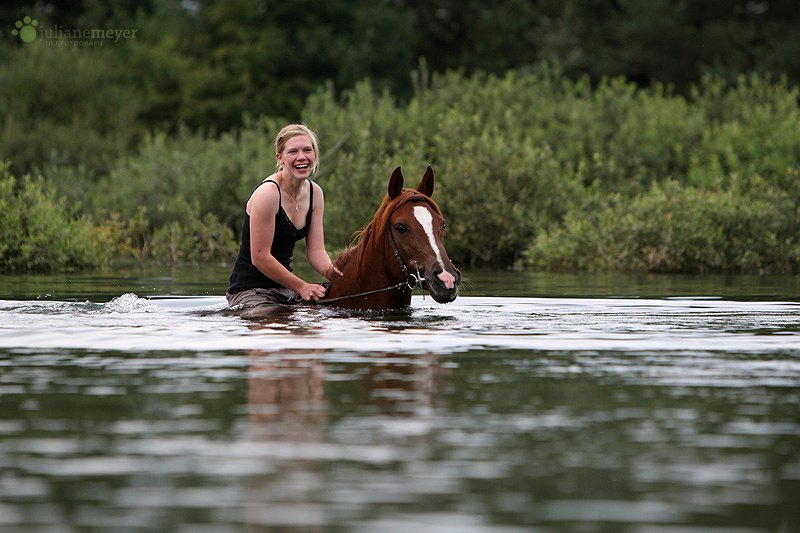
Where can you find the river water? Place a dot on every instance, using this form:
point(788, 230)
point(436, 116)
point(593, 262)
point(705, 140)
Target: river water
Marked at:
point(131, 401)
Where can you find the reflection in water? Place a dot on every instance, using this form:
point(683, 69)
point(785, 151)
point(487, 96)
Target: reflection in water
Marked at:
point(286, 412)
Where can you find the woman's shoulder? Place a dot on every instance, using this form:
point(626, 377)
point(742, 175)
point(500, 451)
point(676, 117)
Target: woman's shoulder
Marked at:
point(269, 187)
point(317, 190)
point(266, 195)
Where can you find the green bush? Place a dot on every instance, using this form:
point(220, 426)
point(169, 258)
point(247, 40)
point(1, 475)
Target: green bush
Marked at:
point(750, 128)
point(190, 237)
point(185, 235)
point(40, 232)
point(673, 228)
point(216, 173)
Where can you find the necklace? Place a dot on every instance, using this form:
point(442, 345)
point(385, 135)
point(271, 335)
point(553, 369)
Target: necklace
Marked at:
point(294, 200)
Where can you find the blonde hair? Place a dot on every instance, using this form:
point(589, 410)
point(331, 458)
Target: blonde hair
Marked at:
point(295, 130)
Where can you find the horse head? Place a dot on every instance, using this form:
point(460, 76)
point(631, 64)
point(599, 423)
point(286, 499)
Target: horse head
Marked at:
point(400, 248)
point(415, 230)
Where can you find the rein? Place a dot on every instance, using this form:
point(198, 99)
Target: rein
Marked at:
point(412, 281)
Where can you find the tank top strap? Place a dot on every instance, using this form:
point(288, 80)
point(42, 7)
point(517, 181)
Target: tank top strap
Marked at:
point(268, 180)
point(310, 201)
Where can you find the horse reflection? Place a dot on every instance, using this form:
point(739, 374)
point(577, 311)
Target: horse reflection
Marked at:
point(291, 412)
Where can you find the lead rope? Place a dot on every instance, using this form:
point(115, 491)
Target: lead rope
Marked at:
point(411, 282)
point(376, 291)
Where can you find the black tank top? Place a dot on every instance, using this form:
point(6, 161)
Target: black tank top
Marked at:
point(245, 275)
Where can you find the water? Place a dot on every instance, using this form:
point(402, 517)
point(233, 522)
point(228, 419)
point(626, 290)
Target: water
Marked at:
point(130, 401)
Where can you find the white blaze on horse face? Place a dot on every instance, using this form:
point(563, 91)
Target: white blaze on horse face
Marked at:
point(425, 220)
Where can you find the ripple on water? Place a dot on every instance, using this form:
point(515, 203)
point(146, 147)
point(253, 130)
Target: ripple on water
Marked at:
point(201, 324)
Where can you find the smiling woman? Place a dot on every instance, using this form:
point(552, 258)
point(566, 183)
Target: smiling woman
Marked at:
point(262, 274)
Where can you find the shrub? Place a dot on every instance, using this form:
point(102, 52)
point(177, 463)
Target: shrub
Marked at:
point(40, 232)
point(750, 128)
point(215, 173)
point(184, 236)
point(190, 237)
point(674, 228)
point(497, 185)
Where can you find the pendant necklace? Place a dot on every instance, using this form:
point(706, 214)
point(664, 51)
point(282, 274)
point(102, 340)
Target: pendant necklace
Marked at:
point(294, 200)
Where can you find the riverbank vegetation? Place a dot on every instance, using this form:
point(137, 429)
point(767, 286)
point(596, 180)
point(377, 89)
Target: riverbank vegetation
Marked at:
point(532, 171)
point(574, 157)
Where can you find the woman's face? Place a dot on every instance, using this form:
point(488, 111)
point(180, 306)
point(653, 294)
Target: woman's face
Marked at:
point(298, 157)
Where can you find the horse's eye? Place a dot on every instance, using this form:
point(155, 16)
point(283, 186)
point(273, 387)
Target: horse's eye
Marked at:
point(400, 228)
point(444, 225)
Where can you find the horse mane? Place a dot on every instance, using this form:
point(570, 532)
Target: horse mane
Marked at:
point(369, 238)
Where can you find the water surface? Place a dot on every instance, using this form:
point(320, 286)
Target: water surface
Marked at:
point(131, 401)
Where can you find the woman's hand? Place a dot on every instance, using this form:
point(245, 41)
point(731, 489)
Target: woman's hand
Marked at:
point(332, 272)
point(312, 291)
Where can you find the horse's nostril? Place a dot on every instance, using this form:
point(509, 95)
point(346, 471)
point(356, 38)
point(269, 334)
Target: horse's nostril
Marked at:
point(447, 278)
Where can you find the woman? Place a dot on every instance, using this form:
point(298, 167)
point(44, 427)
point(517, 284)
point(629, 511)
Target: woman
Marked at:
point(284, 208)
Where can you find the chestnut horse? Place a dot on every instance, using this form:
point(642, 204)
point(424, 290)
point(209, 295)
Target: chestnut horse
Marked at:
point(400, 249)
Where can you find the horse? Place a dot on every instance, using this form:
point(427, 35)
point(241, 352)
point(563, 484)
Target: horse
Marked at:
point(399, 249)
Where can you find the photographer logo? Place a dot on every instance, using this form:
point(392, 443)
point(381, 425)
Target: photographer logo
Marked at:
point(25, 29)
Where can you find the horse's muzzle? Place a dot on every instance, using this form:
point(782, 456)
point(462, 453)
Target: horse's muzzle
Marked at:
point(443, 285)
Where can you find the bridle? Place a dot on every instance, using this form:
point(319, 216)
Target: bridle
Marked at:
point(411, 282)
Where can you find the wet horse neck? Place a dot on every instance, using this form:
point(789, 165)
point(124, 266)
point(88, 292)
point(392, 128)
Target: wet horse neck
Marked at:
point(365, 273)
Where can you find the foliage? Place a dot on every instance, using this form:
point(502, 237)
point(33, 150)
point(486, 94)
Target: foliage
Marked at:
point(40, 232)
point(552, 126)
point(65, 106)
point(531, 169)
point(518, 155)
point(673, 228)
point(497, 185)
point(183, 234)
point(190, 237)
point(215, 173)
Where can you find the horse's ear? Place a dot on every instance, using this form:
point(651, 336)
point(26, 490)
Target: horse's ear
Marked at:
point(395, 183)
point(426, 185)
